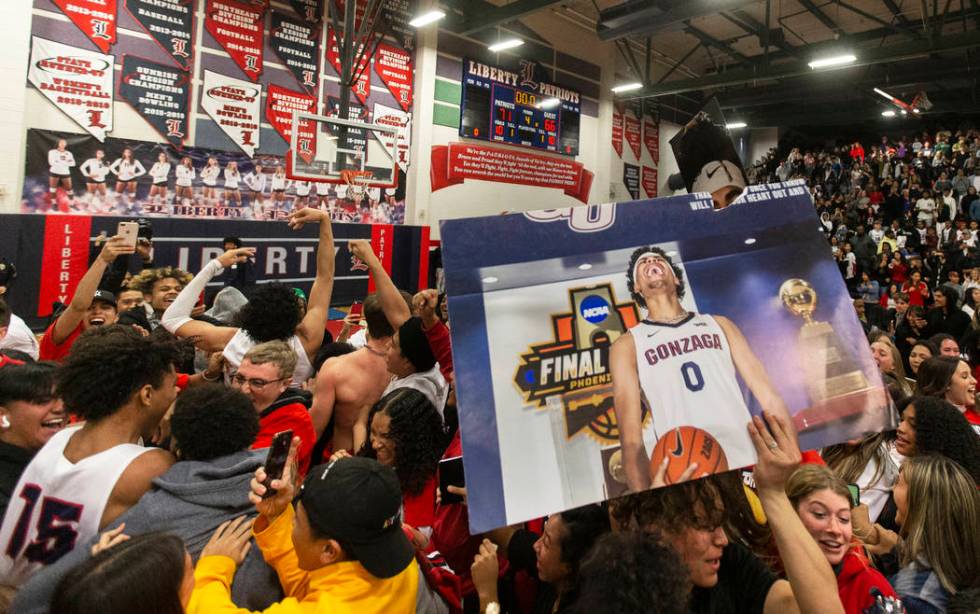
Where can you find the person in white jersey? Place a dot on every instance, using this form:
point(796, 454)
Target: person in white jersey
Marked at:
point(323, 196)
point(232, 178)
point(684, 364)
point(302, 194)
point(127, 170)
point(209, 177)
point(60, 161)
point(160, 173)
point(120, 384)
point(95, 171)
point(185, 181)
point(279, 185)
point(272, 312)
point(256, 181)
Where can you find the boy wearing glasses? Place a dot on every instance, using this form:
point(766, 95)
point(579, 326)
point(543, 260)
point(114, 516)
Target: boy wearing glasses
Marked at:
point(264, 377)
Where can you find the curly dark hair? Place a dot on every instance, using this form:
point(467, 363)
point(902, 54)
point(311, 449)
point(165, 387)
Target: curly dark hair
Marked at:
point(941, 429)
point(632, 265)
point(672, 509)
point(210, 421)
point(108, 365)
point(145, 280)
point(935, 374)
point(583, 526)
point(631, 573)
point(417, 434)
point(271, 313)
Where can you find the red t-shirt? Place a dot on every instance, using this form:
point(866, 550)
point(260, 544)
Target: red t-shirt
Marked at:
point(855, 581)
point(420, 509)
point(49, 350)
point(916, 293)
point(293, 416)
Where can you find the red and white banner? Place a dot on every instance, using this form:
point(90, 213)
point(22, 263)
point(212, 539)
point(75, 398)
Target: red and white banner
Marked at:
point(396, 118)
point(64, 259)
point(239, 29)
point(649, 181)
point(96, 18)
point(77, 81)
point(236, 107)
point(382, 244)
point(359, 8)
point(631, 131)
point(281, 104)
point(394, 66)
point(362, 88)
point(456, 162)
point(617, 133)
point(651, 137)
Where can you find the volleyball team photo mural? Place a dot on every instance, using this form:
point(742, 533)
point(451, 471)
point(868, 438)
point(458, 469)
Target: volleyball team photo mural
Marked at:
point(614, 348)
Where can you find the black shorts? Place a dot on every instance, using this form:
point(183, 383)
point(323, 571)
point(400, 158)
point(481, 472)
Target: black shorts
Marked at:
point(95, 181)
point(279, 191)
point(159, 183)
point(231, 189)
point(57, 176)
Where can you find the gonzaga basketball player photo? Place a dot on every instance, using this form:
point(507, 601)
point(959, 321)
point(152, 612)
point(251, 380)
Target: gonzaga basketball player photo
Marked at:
point(683, 364)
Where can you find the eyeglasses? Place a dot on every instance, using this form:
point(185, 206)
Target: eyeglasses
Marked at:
point(253, 383)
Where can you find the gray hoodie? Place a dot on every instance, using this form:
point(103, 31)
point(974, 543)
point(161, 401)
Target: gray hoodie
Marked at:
point(190, 501)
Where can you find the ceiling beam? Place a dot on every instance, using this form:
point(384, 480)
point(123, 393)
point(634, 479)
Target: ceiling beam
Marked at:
point(648, 18)
point(710, 41)
point(898, 28)
point(489, 16)
point(897, 12)
point(821, 16)
point(869, 57)
point(749, 24)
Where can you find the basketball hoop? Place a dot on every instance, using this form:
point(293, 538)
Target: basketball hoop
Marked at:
point(357, 183)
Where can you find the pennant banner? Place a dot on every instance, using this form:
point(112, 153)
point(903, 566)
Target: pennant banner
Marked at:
point(159, 93)
point(390, 116)
point(356, 137)
point(96, 18)
point(359, 8)
point(395, 15)
point(310, 10)
point(631, 131)
point(649, 181)
point(631, 178)
point(77, 81)
point(617, 133)
point(64, 259)
point(394, 66)
point(238, 28)
point(298, 46)
point(361, 89)
point(170, 23)
point(281, 104)
point(651, 137)
point(235, 105)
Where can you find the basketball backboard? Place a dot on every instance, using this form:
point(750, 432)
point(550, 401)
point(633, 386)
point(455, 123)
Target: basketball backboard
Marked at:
point(332, 150)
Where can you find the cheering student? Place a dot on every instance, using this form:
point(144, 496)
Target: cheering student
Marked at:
point(950, 379)
point(185, 181)
point(127, 170)
point(256, 181)
point(279, 186)
point(60, 161)
point(95, 170)
point(159, 172)
point(232, 177)
point(209, 176)
point(647, 362)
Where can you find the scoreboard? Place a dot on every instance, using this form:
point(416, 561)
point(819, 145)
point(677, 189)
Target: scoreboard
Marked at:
point(499, 106)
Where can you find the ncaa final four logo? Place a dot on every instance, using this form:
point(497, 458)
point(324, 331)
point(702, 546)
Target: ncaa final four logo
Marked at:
point(575, 365)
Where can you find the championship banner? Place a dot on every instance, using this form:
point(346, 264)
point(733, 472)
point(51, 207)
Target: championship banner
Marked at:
point(394, 66)
point(96, 18)
point(456, 162)
point(170, 23)
point(64, 260)
point(362, 88)
point(649, 181)
point(651, 138)
point(359, 8)
point(239, 29)
point(310, 10)
point(356, 138)
point(631, 179)
point(719, 314)
point(281, 104)
point(395, 15)
point(390, 116)
point(235, 105)
point(298, 46)
point(617, 133)
point(631, 131)
point(159, 93)
point(77, 81)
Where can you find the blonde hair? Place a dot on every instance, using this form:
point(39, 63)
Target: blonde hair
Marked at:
point(808, 479)
point(276, 352)
point(898, 368)
point(943, 504)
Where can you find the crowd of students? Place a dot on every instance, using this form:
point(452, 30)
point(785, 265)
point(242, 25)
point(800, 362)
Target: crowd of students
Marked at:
point(133, 438)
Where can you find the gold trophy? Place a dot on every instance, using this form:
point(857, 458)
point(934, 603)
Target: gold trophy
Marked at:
point(829, 370)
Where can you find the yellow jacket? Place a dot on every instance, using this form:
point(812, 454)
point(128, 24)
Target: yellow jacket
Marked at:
point(337, 588)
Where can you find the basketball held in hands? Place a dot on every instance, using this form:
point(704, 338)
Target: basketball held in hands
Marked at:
point(685, 445)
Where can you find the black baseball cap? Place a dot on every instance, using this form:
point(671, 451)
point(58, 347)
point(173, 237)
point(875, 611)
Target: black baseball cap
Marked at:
point(357, 501)
point(105, 296)
point(415, 345)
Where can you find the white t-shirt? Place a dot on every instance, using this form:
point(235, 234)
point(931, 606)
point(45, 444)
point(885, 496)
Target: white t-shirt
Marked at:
point(255, 181)
point(279, 183)
point(60, 162)
point(160, 171)
point(322, 189)
point(127, 170)
point(210, 174)
point(302, 188)
point(185, 176)
point(95, 169)
point(232, 178)
point(20, 337)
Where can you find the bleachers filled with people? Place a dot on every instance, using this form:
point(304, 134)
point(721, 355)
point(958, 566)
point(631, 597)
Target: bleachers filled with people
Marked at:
point(159, 419)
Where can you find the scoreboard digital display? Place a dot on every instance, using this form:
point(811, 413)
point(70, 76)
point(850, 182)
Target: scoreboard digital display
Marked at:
point(503, 106)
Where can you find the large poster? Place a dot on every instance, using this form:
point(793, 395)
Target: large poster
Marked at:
point(239, 29)
point(159, 93)
point(77, 81)
point(707, 317)
point(298, 46)
point(194, 183)
point(170, 23)
point(236, 106)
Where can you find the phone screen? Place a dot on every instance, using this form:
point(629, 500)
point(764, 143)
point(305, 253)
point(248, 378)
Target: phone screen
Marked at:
point(451, 474)
point(855, 492)
point(275, 462)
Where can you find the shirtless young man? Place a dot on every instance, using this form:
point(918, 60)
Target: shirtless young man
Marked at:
point(348, 386)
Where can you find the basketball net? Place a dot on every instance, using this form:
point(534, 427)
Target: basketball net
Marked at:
point(357, 183)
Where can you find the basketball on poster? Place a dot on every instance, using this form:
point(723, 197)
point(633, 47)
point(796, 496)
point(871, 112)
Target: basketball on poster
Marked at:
point(646, 333)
